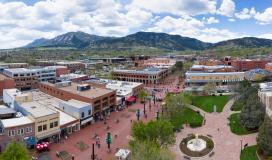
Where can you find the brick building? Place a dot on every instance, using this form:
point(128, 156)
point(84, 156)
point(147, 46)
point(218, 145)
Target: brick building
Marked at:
point(101, 99)
point(146, 76)
point(72, 65)
point(6, 83)
point(24, 78)
point(248, 64)
point(15, 129)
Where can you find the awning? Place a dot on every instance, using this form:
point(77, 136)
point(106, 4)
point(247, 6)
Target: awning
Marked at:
point(48, 134)
point(131, 99)
point(86, 120)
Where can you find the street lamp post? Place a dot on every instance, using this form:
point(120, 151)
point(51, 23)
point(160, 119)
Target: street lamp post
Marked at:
point(241, 145)
point(158, 115)
point(93, 155)
point(144, 106)
point(162, 109)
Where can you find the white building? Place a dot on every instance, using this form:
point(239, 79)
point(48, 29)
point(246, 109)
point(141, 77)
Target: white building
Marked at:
point(78, 109)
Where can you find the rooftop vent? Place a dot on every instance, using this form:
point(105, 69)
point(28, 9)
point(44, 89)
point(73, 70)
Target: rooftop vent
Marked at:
point(83, 87)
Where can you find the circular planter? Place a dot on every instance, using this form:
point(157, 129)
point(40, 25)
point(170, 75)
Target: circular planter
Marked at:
point(184, 149)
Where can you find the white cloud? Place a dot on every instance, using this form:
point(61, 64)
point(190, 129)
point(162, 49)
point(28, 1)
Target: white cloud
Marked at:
point(231, 20)
point(265, 17)
point(176, 7)
point(212, 20)
point(267, 36)
point(246, 13)
point(191, 27)
point(52, 17)
point(227, 8)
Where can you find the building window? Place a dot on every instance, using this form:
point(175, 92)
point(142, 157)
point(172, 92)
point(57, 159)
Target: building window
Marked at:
point(56, 124)
point(44, 127)
point(89, 112)
point(82, 115)
point(39, 128)
point(11, 133)
point(20, 131)
point(28, 129)
point(51, 125)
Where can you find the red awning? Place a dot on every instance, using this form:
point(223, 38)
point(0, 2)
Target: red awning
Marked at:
point(131, 99)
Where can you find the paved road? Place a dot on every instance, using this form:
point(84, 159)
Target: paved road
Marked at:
point(227, 144)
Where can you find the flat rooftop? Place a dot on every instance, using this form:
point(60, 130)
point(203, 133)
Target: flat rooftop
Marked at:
point(92, 93)
point(19, 70)
point(189, 73)
point(6, 110)
point(38, 110)
point(76, 103)
point(3, 77)
point(52, 103)
point(69, 62)
point(116, 83)
point(13, 122)
point(144, 71)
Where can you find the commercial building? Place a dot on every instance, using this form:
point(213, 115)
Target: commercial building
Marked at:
point(146, 76)
point(42, 109)
point(73, 77)
point(156, 62)
point(6, 112)
point(46, 73)
point(5, 83)
point(265, 94)
point(214, 77)
point(19, 128)
point(72, 65)
point(100, 99)
point(123, 88)
point(24, 78)
point(28, 78)
point(214, 68)
point(210, 62)
point(13, 65)
point(248, 64)
point(60, 70)
point(79, 110)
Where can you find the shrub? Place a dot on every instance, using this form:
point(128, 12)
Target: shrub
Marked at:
point(209, 143)
point(195, 124)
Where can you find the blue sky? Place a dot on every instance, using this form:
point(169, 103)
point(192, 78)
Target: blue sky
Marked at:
point(22, 21)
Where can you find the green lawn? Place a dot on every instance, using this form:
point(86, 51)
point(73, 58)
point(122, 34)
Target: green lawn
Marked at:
point(249, 153)
point(236, 127)
point(192, 117)
point(206, 103)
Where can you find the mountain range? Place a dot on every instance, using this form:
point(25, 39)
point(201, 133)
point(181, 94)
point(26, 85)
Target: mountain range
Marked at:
point(81, 40)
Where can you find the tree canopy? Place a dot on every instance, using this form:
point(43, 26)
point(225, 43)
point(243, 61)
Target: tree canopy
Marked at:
point(15, 151)
point(264, 139)
point(253, 113)
point(158, 132)
point(149, 151)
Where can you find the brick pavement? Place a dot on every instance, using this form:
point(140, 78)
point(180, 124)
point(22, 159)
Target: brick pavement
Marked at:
point(121, 129)
point(227, 144)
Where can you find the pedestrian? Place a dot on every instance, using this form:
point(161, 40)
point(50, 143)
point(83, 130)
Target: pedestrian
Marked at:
point(98, 143)
point(218, 129)
point(96, 140)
